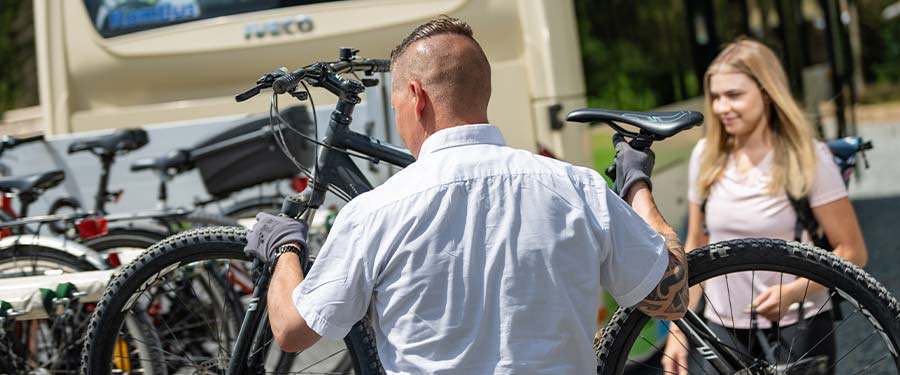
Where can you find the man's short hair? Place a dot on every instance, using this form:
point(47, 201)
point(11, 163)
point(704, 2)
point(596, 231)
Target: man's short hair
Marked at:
point(458, 77)
point(443, 24)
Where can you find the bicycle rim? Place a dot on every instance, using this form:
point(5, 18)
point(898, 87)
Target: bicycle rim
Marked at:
point(866, 339)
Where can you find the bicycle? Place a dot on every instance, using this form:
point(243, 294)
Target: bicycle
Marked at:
point(250, 349)
point(872, 323)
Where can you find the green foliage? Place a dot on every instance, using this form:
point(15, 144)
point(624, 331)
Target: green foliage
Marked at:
point(635, 67)
point(18, 81)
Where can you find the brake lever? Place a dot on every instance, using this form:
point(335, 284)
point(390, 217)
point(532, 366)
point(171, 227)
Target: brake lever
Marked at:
point(264, 82)
point(247, 94)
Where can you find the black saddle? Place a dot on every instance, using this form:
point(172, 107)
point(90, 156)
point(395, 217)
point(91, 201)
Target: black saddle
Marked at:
point(121, 141)
point(173, 162)
point(31, 184)
point(660, 125)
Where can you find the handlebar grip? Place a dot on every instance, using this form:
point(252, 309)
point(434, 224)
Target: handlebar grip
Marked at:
point(381, 65)
point(286, 83)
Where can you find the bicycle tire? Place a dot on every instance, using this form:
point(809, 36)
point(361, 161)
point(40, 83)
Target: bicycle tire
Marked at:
point(203, 218)
point(157, 263)
point(16, 257)
point(250, 207)
point(124, 238)
point(868, 295)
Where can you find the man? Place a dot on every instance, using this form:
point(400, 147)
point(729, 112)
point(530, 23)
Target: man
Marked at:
point(479, 258)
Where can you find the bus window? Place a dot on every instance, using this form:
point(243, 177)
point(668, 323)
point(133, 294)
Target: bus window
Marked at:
point(118, 17)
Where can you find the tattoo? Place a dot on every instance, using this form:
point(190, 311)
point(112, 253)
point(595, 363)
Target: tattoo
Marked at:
point(670, 299)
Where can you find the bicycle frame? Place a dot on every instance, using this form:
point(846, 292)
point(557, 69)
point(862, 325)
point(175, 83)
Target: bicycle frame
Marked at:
point(334, 170)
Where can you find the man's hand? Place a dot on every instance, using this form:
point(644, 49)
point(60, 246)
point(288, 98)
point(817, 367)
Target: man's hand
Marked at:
point(632, 165)
point(270, 232)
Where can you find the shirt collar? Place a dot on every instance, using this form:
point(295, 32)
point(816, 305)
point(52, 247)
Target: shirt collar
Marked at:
point(463, 135)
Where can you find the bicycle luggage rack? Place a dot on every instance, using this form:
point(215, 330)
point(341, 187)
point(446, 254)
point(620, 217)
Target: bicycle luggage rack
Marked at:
point(37, 297)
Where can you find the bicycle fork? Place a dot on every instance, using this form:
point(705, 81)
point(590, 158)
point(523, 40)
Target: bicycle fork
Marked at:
point(251, 330)
point(704, 340)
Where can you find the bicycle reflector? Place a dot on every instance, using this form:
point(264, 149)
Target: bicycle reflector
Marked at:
point(90, 228)
point(299, 183)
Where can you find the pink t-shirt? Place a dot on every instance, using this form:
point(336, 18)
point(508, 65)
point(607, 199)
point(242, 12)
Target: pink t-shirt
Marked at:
point(739, 206)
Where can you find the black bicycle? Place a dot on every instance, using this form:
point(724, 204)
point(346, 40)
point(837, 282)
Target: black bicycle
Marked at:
point(124, 337)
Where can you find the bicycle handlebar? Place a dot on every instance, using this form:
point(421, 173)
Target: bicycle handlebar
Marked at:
point(324, 74)
point(289, 81)
point(8, 142)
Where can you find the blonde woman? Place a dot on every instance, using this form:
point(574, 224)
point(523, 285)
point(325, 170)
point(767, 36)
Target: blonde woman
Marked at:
point(759, 150)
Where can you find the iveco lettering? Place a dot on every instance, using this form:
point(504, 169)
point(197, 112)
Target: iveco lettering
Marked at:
point(299, 24)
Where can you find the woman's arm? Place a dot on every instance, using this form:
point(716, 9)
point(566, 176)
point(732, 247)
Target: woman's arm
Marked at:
point(838, 219)
point(696, 237)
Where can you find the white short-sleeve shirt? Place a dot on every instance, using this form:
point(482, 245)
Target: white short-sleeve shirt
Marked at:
point(480, 258)
point(739, 206)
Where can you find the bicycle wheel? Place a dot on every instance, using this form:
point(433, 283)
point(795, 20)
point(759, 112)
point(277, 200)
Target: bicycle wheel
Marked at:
point(866, 337)
point(35, 260)
point(46, 345)
point(190, 290)
point(126, 243)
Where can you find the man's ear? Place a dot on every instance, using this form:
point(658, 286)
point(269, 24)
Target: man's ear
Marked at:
point(419, 96)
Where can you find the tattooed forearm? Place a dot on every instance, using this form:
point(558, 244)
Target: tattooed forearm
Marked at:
point(669, 300)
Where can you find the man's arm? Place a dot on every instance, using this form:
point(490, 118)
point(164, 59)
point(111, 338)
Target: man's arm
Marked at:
point(669, 300)
point(288, 326)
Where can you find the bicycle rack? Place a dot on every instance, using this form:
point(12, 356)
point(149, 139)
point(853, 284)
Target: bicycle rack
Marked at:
point(56, 302)
point(43, 297)
point(7, 316)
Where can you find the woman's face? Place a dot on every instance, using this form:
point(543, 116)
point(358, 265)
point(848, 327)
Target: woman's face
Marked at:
point(738, 103)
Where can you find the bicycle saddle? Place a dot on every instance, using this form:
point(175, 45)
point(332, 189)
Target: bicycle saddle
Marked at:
point(120, 141)
point(31, 183)
point(660, 124)
point(173, 162)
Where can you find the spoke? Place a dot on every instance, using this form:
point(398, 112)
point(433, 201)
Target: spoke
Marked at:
point(833, 328)
point(218, 333)
point(802, 302)
point(730, 308)
point(870, 365)
point(685, 346)
point(164, 351)
point(178, 342)
point(778, 327)
point(652, 367)
point(752, 314)
point(851, 350)
point(733, 331)
point(323, 359)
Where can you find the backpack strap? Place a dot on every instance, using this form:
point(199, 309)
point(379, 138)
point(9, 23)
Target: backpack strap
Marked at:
point(703, 211)
point(807, 221)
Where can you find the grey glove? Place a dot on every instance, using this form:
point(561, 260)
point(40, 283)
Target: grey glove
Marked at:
point(632, 165)
point(270, 232)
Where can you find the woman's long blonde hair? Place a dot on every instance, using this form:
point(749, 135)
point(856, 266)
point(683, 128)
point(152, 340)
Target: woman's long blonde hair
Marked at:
point(794, 162)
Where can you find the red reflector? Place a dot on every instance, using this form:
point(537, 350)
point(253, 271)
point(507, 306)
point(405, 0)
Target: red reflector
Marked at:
point(6, 232)
point(90, 228)
point(7, 206)
point(113, 260)
point(299, 183)
point(543, 151)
